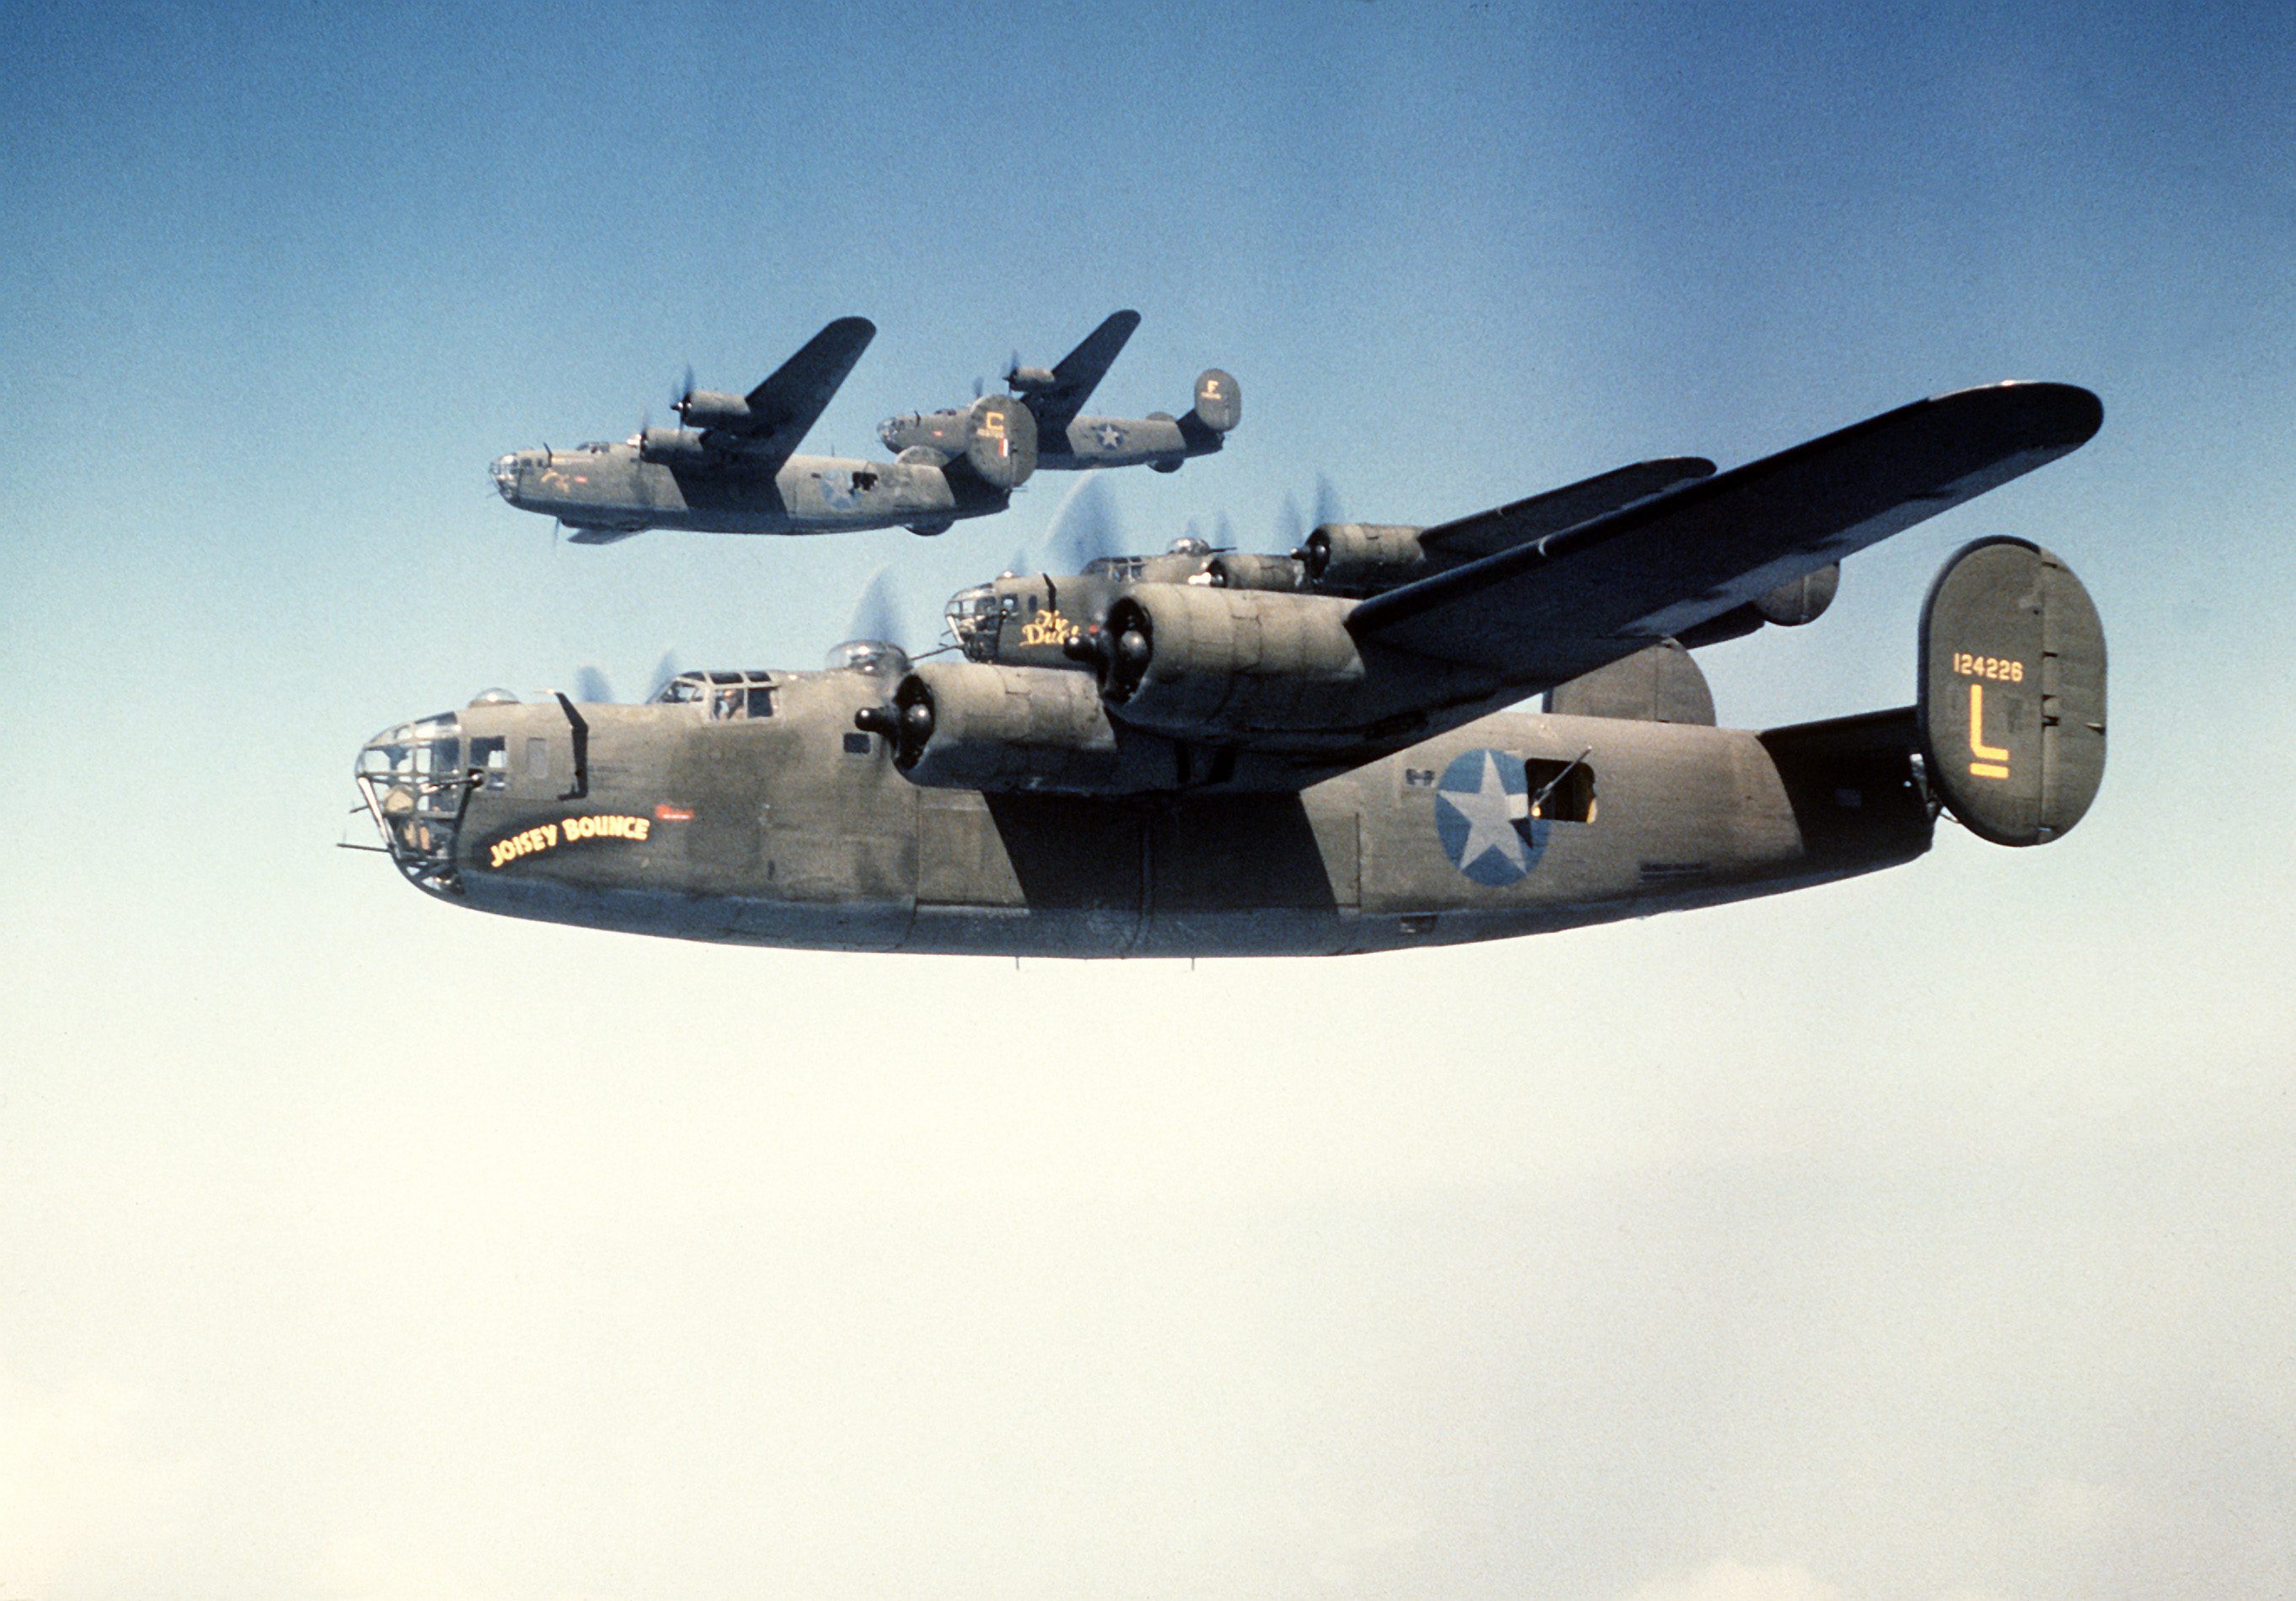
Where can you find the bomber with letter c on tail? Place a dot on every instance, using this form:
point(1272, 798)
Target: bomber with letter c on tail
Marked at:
point(1208, 753)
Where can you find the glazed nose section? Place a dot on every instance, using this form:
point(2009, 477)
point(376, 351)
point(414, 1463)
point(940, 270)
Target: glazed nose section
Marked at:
point(889, 433)
point(506, 474)
point(416, 784)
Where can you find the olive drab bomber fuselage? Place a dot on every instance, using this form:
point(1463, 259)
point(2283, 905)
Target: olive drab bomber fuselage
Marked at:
point(794, 828)
point(1209, 753)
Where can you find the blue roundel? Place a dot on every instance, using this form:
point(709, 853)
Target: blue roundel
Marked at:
point(1483, 816)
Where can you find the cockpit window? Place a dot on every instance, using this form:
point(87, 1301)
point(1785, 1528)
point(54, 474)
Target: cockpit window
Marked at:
point(492, 754)
point(727, 695)
point(729, 702)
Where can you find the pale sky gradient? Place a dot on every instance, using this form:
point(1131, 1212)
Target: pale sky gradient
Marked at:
point(1925, 1238)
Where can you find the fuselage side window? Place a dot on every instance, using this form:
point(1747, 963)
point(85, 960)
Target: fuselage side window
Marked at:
point(1561, 792)
point(491, 754)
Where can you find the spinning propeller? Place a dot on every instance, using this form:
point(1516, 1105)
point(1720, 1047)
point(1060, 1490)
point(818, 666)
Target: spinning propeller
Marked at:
point(877, 612)
point(591, 688)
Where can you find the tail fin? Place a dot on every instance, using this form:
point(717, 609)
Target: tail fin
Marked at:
point(1000, 444)
point(2012, 708)
point(1219, 402)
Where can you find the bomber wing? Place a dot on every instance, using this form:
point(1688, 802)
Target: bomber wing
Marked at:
point(1503, 528)
point(1567, 601)
point(785, 407)
point(1078, 373)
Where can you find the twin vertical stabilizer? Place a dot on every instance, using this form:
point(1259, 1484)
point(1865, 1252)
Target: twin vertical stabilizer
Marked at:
point(2011, 708)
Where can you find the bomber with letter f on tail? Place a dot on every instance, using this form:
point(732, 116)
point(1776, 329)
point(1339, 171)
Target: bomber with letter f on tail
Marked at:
point(1313, 753)
point(732, 467)
point(1067, 441)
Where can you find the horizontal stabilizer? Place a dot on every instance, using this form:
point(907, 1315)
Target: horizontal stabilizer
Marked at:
point(1849, 782)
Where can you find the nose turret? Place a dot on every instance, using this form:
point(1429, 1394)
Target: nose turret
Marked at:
point(416, 781)
point(505, 475)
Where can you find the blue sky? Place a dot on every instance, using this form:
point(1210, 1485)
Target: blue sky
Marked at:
point(1923, 1236)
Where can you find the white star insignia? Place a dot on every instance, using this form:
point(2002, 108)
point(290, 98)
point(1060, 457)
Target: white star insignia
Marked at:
point(1491, 815)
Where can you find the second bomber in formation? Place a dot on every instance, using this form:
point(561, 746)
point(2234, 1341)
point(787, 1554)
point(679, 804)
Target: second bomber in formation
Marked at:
point(732, 466)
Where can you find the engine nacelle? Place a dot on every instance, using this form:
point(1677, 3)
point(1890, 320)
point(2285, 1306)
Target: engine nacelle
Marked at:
point(1239, 569)
point(1790, 606)
point(1193, 660)
point(1357, 558)
point(672, 447)
point(1000, 441)
point(1219, 402)
point(707, 408)
point(1802, 600)
point(977, 726)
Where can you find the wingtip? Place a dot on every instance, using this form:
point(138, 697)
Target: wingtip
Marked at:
point(2064, 416)
point(2083, 409)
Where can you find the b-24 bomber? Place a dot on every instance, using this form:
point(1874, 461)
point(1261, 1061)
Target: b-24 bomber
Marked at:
point(1319, 751)
point(1067, 440)
point(732, 467)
